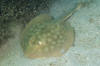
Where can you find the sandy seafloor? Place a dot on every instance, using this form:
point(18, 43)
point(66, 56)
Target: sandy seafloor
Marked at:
point(86, 51)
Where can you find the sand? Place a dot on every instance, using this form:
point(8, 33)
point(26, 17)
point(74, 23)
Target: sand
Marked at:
point(86, 49)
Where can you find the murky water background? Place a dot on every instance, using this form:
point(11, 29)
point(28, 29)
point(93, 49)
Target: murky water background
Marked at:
point(86, 51)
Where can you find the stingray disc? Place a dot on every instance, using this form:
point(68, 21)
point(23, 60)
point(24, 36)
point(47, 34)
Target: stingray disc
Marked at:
point(44, 37)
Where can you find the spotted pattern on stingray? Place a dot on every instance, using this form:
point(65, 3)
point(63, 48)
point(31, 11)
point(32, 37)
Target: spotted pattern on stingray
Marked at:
point(46, 37)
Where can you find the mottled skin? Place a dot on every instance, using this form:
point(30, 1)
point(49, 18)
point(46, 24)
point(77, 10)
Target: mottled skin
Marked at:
point(46, 37)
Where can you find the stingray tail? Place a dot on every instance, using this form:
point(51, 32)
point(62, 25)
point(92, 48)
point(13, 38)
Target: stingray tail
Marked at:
point(70, 14)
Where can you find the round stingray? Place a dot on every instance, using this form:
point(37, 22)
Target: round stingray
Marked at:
point(45, 37)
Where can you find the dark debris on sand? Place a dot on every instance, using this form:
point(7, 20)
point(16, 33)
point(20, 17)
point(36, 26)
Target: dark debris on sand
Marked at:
point(19, 12)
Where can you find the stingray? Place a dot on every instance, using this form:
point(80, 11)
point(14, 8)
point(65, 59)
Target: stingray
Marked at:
point(46, 37)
